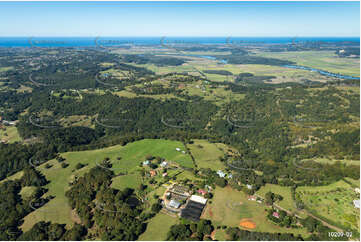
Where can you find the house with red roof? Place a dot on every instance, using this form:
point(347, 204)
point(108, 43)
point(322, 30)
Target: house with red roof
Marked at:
point(276, 215)
point(201, 191)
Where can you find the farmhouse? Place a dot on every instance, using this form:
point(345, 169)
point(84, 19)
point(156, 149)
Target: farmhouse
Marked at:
point(276, 215)
point(146, 163)
point(153, 173)
point(164, 164)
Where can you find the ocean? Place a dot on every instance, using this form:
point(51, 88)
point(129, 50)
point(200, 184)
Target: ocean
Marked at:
point(123, 41)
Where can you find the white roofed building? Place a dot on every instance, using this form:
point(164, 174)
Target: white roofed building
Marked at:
point(198, 199)
point(174, 204)
point(356, 203)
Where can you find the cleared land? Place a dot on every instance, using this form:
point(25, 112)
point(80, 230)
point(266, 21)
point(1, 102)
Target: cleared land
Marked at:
point(332, 161)
point(6, 68)
point(10, 134)
point(206, 154)
point(58, 210)
point(131, 181)
point(283, 74)
point(324, 60)
point(158, 227)
point(333, 202)
point(230, 206)
point(27, 192)
point(285, 192)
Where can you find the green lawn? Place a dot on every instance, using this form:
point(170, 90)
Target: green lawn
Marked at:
point(158, 227)
point(206, 154)
point(285, 192)
point(230, 206)
point(58, 210)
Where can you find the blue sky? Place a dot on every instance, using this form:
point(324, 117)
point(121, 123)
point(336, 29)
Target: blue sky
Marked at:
point(261, 19)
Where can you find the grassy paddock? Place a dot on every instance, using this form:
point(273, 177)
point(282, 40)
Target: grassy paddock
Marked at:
point(230, 206)
point(10, 134)
point(206, 154)
point(333, 202)
point(324, 60)
point(58, 210)
point(158, 227)
point(285, 192)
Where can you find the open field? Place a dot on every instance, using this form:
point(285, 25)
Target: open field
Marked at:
point(230, 206)
point(165, 69)
point(324, 60)
point(58, 210)
point(10, 134)
point(217, 95)
point(283, 74)
point(116, 73)
point(206, 154)
point(6, 68)
point(158, 228)
point(131, 181)
point(221, 235)
point(328, 161)
point(77, 120)
point(27, 192)
point(285, 192)
point(17, 175)
point(333, 202)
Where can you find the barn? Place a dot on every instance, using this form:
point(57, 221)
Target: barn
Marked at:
point(194, 208)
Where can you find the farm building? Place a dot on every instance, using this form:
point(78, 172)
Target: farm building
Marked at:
point(174, 204)
point(198, 199)
point(164, 164)
point(209, 188)
point(177, 149)
point(145, 163)
point(194, 208)
point(221, 173)
point(356, 203)
point(179, 190)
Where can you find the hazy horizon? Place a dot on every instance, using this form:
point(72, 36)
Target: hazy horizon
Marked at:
point(180, 19)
